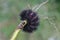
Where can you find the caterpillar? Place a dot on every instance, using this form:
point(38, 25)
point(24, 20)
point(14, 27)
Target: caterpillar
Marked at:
point(32, 20)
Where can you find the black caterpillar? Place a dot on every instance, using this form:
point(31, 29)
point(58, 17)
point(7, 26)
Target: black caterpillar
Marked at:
point(32, 20)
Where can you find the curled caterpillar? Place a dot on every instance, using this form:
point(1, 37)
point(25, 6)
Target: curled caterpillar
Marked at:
point(32, 20)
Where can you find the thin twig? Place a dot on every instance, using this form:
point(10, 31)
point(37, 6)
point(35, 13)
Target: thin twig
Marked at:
point(54, 25)
point(34, 7)
point(40, 5)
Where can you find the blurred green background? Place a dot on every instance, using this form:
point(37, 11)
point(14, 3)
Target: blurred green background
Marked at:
point(49, 14)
